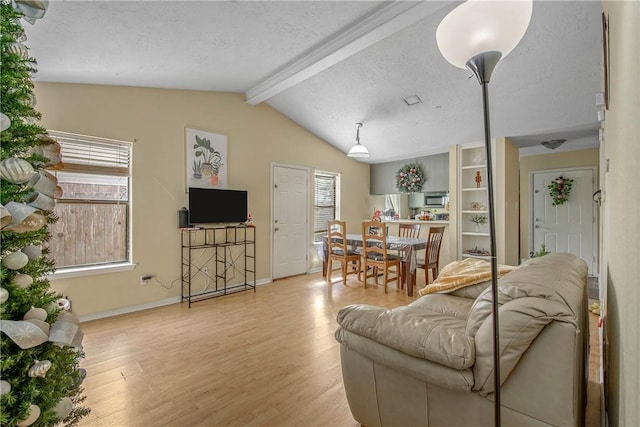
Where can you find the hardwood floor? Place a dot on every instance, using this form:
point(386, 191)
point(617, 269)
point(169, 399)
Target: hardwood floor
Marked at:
point(250, 359)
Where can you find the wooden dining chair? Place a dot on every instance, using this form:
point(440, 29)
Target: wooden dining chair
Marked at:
point(338, 251)
point(432, 254)
point(409, 230)
point(375, 255)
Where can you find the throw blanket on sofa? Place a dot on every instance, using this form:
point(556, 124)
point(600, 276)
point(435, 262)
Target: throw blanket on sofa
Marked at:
point(459, 274)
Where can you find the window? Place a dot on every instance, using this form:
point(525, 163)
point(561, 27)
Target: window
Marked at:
point(93, 229)
point(325, 204)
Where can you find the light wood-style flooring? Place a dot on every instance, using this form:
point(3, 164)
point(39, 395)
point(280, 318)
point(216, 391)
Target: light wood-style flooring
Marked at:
point(267, 358)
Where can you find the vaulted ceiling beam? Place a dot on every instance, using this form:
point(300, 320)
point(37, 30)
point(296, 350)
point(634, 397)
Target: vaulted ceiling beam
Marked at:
point(374, 27)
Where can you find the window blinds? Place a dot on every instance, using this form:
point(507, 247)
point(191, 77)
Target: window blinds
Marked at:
point(325, 201)
point(88, 154)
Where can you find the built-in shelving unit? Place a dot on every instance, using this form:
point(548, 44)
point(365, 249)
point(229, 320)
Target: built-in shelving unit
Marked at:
point(473, 240)
point(217, 261)
point(469, 199)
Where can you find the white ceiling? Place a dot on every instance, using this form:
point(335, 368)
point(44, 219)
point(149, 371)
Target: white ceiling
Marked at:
point(329, 64)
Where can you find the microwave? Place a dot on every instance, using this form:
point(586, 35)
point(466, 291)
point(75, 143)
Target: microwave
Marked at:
point(436, 199)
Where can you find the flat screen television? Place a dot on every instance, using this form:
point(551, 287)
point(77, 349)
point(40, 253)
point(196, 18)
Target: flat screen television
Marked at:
point(208, 205)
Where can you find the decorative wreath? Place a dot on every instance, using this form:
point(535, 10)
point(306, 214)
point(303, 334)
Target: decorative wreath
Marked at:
point(560, 189)
point(410, 178)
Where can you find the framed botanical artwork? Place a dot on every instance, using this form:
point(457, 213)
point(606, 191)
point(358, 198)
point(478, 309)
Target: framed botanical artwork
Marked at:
point(206, 156)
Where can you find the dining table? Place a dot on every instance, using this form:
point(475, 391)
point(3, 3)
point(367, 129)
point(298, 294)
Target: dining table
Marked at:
point(406, 247)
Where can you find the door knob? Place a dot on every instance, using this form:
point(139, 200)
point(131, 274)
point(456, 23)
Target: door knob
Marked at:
point(537, 226)
point(276, 229)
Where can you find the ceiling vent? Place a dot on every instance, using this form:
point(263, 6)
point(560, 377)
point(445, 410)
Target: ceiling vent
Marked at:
point(412, 100)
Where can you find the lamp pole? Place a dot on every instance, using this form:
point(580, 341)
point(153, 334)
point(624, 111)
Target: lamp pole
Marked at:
point(482, 65)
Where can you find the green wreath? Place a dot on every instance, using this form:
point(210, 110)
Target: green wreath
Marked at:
point(560, 189)
point(410, 178)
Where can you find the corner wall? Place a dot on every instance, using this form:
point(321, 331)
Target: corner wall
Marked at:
point(155, 120)
point(621, 210)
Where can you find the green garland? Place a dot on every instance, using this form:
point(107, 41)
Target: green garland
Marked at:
point(410, 178)
point(559, 190)
point(63, 380)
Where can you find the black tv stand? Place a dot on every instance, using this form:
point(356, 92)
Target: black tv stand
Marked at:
point(217, 261)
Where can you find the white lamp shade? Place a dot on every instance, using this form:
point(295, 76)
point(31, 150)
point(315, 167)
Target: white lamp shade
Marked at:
point(479, 26)
point(358, 150)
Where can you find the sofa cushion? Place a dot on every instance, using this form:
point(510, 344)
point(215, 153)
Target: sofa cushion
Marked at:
point(541, 290)
point(521, 321)
point(533, 279)
point(431, 329)
point(472, 291)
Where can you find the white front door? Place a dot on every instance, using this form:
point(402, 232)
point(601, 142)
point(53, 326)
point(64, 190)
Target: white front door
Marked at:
point(569, 227)
point(289, 224)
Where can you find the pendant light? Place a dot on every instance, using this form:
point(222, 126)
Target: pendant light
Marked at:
point(358, 150)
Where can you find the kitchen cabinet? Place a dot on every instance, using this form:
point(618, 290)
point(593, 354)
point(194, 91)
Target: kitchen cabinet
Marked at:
point(416, 200)
point(383, 177)
point(435, 168)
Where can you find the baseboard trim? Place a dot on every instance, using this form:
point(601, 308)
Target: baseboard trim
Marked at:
point(146, 306)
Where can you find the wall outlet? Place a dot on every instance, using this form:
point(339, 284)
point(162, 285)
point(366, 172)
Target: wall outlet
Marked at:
point(144, 278)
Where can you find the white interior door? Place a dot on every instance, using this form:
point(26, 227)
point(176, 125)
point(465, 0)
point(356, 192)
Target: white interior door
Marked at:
point(569, 227)
point(289, 223)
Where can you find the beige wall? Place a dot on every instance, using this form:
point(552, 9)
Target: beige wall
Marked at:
point(506, 201)
point(155, 120)
point(621, 212)
point(528, 164)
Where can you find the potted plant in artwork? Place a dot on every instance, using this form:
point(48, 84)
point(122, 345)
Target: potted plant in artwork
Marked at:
point(477, 220)
point(197, 169)
point(211, 159)
point(216, 162)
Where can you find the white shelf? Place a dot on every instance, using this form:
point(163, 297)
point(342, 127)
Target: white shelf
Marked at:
point(469, 194)
point(487, 257)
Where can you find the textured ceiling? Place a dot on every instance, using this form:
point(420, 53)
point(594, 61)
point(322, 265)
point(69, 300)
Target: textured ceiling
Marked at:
point(329, 64)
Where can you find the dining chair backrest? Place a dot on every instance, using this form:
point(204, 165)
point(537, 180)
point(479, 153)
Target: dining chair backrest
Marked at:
point(374, 245)
point(375, 256)
point(339, 252)
point(376, 228)
point(434, 241)
point(337, 234)
point(409, 230)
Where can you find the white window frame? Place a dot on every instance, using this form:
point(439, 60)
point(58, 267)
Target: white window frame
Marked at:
point(336, 176)
point(76, 163)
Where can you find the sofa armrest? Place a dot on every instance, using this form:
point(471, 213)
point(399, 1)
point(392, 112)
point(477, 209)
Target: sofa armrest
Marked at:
point(521, 321)
point(420, 333)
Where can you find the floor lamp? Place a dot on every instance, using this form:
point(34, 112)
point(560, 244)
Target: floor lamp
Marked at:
point(475, 36)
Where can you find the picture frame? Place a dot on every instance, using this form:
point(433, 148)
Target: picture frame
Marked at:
point(605, 58)
point(206, 159)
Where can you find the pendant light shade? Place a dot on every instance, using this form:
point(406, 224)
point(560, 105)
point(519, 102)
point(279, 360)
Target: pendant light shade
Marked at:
point(358, 150)
point(478, 26)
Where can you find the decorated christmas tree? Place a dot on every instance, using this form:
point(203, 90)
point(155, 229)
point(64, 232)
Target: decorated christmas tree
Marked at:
point(40, 378)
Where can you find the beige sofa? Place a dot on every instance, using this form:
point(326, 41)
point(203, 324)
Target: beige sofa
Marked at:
point(431, 363)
